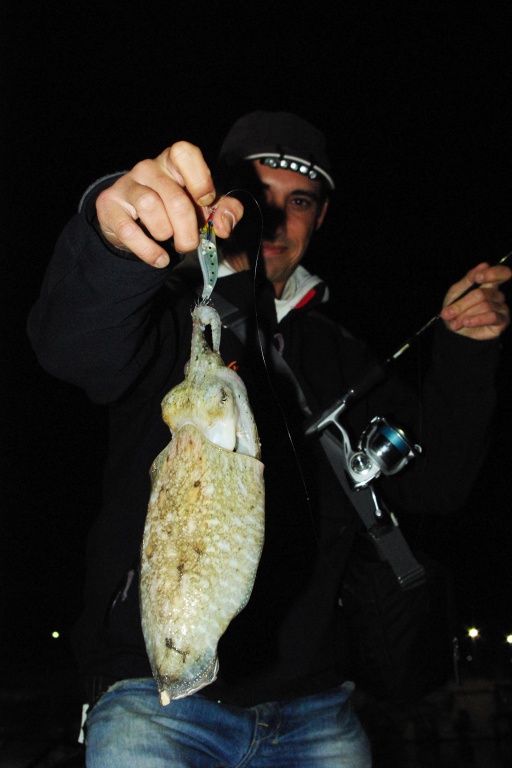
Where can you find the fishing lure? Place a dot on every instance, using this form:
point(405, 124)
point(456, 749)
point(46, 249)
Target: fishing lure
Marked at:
point(208, 259)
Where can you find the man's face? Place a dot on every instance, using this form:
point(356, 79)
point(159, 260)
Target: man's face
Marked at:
point(292, 211)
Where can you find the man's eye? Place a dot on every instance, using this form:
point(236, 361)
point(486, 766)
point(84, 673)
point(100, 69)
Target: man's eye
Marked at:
point(301, 202)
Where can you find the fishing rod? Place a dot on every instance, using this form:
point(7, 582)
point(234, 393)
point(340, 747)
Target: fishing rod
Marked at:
point(405, 346)
point(316, 424)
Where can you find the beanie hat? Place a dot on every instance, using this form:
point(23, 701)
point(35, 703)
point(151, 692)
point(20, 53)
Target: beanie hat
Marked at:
point(278, 140)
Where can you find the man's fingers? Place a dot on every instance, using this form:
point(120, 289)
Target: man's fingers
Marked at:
point(226, 215)
point(481, 277)
point(164, 200)
point(186, 165)
point(161, 199)
point(458, 288)
point(119, 221)
point(486, 317)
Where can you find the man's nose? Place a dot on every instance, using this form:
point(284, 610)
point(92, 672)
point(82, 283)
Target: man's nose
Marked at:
point(274, 220)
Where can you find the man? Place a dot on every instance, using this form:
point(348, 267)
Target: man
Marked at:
point(114, 318)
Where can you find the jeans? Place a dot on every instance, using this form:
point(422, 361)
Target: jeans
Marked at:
point(129, 728)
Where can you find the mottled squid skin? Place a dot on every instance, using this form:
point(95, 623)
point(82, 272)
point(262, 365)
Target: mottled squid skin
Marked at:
point(205, 524)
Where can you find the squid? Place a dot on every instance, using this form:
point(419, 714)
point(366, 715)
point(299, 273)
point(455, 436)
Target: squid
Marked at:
point(204, 528)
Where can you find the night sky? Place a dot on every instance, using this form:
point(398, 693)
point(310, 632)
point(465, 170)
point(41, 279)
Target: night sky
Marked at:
point(415, 104)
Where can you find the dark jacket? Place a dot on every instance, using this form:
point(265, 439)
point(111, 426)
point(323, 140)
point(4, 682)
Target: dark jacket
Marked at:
point(121, 330)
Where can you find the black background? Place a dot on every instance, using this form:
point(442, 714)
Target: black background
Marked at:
point(415, 102)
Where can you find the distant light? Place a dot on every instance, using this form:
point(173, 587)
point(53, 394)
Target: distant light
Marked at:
point(509, 639)
point(473, 632)
point(55, 635)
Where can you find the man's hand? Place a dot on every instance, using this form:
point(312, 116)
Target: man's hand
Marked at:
point(164, 195)
point(483, 312)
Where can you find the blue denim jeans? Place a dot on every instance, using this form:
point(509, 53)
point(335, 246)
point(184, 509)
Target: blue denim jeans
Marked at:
point(129, 728)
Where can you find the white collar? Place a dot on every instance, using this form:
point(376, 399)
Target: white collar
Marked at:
point(297, 286)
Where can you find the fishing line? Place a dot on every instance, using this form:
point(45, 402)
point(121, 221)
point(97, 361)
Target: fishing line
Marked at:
point(260, 339)
point(261, 336)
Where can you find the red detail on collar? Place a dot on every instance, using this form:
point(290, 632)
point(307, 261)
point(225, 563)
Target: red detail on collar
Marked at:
point(305, 299)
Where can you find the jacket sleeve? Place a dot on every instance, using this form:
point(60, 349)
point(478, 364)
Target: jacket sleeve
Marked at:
point(451, 421)
point(94, 322)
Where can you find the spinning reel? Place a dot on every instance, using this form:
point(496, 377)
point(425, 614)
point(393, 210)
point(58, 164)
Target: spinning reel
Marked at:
point(382, 448)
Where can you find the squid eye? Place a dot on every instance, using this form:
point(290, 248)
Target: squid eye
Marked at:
point(223, 396)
